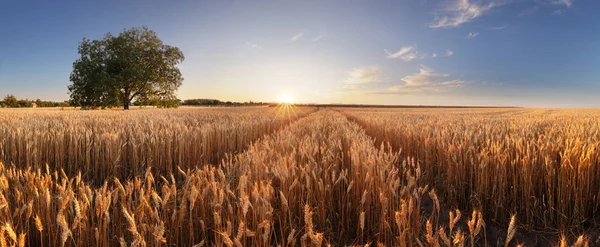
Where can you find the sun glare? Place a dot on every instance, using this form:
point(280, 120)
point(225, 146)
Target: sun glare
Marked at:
point(287, 99)
point(286, 107)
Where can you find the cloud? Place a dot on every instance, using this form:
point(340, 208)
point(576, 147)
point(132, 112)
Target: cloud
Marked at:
point(461, 12)
point(315, 39)
point(364, 75)
point(498, 27)
point(425, 81)
point(252, 45)
point(412, 56)
point(424, 77)
point(452, 83)
point(296, 37)
point(491, 83)
point(433, 55)
point(351, 87)
point(567, 3)
point(401, 52)
point(448, 53)
point(407, 54)
point(529, 11)
point(472, 35)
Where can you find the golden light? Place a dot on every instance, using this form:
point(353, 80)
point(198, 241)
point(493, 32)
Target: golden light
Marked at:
point(286, 99)
point(286, 107)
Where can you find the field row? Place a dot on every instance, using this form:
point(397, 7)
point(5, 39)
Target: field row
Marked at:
point(541, 164)
point(103, 144)
point(320, 181)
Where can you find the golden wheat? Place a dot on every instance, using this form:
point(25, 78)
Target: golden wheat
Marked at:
point(247, 177)
point(540, 163)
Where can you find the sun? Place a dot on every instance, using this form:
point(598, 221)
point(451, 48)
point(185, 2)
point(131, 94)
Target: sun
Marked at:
point(286, 99)
point(286, 107)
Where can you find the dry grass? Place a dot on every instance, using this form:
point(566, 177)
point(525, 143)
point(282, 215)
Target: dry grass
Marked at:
point(319, 180)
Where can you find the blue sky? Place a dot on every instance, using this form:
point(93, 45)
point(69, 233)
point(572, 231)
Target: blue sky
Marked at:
point(536, 53)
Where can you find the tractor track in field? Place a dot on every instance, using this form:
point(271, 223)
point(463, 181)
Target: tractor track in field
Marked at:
point(222, 156)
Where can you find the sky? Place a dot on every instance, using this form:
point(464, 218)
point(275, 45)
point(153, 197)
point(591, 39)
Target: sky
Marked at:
point(532, 53)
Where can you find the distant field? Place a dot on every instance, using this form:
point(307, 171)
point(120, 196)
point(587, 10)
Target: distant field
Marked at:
point(300, 176)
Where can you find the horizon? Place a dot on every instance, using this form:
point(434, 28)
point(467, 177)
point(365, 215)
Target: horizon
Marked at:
point(535, 53)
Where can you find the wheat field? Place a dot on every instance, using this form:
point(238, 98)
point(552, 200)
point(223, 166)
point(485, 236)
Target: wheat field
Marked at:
point(299, 176)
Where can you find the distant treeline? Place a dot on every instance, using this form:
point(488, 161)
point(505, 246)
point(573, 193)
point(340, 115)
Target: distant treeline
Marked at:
point(10, 101)
point(215, 102)
point(405, 106)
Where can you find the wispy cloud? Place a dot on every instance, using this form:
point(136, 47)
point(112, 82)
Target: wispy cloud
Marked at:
point(472, 35)
point(461, 12)
point(433, 55)
point(407, 54)
point(252, 45)
point(296, 37)
point(567, 3)
point(529, 11)
point(399, 53)
point(491, 83)
point(351, 87)
point(448, 53)
point(425, 81)
point(412, 56)
point(424, 77)
point(499, 27)
point(364, 75)
point(315, 39)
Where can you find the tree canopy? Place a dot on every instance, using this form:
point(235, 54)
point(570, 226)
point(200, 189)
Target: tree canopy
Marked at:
point(118, 69)
point(10, 101)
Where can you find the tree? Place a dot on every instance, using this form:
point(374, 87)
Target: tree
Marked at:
point(11, 101)
point(24, 103)
point(117, 70)
point(158, 101)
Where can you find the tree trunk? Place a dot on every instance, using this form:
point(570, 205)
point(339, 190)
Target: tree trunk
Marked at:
point(126, 106)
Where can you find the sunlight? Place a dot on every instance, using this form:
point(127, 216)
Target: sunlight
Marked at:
point(286, 107)
point(286, 99)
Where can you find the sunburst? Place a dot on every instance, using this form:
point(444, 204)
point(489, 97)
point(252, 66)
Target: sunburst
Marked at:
point(286, 107)
point(286, 99)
